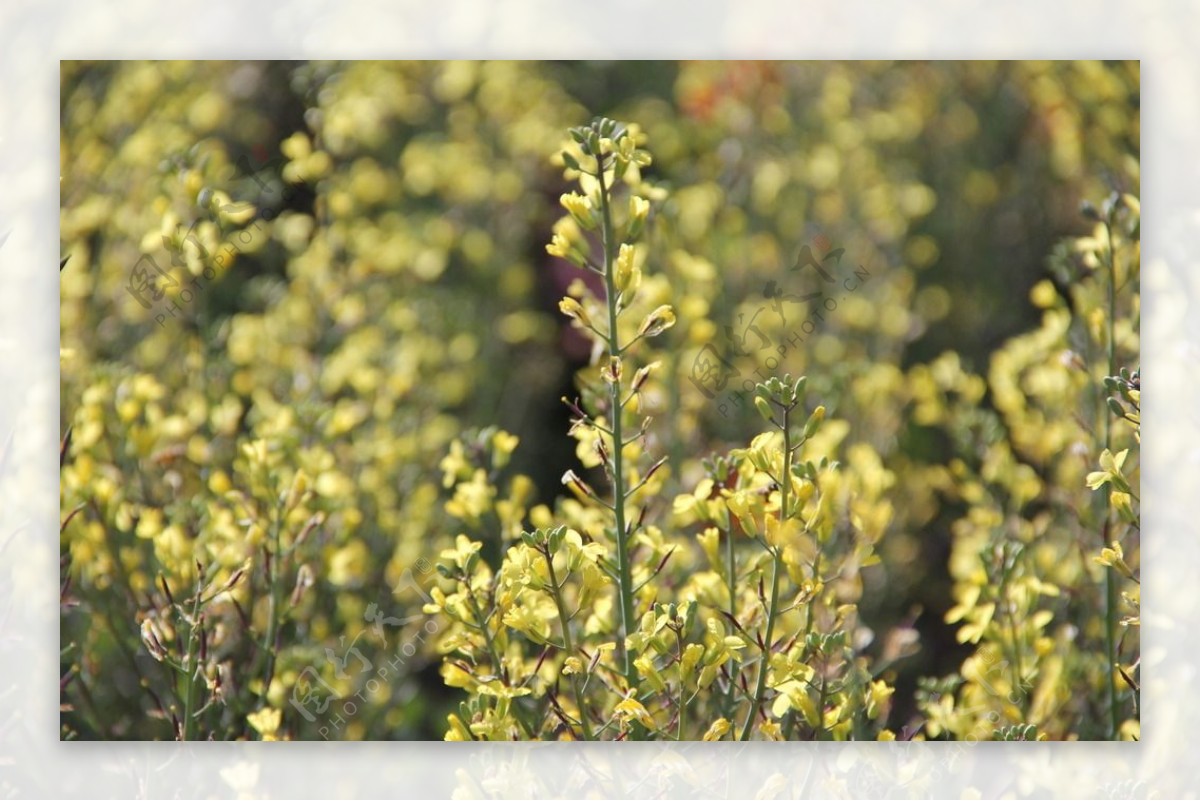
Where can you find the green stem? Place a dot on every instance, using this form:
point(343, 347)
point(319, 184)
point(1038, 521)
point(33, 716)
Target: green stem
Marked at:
point(682, 692)
point(490, 644)
point(194, 635)
point(731, 577)
point(624, 568)
point(808, 623)
point(481, 621)
point(273, 604)
point(1018, 670)
point(820, 732)
point(776, 558)
point(730, 571)
point(1110, 584)
point(568, 643)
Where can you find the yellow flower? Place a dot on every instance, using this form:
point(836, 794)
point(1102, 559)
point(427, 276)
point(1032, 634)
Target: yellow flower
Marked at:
point(1110, 472)
point(574, 309)
point(463, 552)
point(348, 566)
point(497, 690)
point(1114, 557)
point(503, 445)
point(455, 676)
point(529, 622)
point(559, 246)
point(879, 694)
point(657, 321)
point(771, 730)
point(472, 499)
point(814, 421)
point(296, 147)
point(256, 452)
point(457, 732)
point(265, 721)
point(781, 535)
point(1043, 294)
point(747, 508)
point(717, 730)
point(639, 207)
point(691, 657)
point(1131, 730)
point(709, 541)
point(580, 208)
point(627, 277)
point(454, 465)
point(632, 709)
point(299, 488)
point(524, 567)
point(628, 152)
point(793, 694)
point(647, 670)
point(1123, 503)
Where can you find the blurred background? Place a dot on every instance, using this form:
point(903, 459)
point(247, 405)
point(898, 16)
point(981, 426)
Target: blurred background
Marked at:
point(347, 261)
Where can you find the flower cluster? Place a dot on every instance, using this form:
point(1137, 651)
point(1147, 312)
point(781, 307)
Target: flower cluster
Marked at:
point(338, 340)
point(1045, 559)
point(349, 452)
point(582, 633)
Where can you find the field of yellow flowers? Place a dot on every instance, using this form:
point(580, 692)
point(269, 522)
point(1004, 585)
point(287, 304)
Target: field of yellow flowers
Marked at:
point(645, 401)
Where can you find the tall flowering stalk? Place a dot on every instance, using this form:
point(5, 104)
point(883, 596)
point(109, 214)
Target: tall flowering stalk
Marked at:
point(1042, 620)
point(776, 400)
point(1116, 212)
point(607, 150)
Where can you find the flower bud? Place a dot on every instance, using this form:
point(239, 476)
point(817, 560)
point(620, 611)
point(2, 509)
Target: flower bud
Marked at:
point(639, 208)
point(559, 246)
point(299, 488)
point(626, 276)
point(304, 580)
point(814, 421)
point(764, 408)
point(717, 730)
point(580, 208)
point(574, 309)
point(1114, 557)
